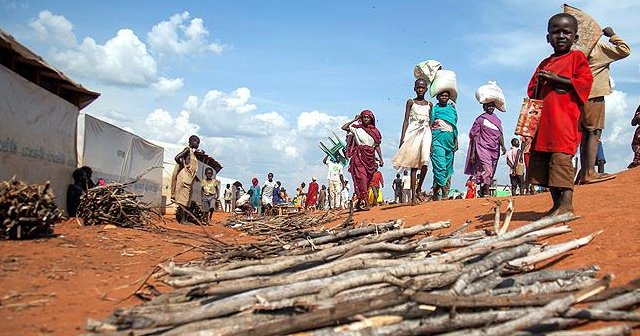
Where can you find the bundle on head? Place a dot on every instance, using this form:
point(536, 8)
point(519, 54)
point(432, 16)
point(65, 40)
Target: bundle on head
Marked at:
point(27, 211)
point(114, 204)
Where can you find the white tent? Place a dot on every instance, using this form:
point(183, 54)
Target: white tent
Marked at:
point(120, 156)
point(39, 108)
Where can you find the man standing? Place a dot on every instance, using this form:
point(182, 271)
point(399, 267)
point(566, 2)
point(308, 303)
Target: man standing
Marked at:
point(335, 180)
point(397, 189)
point(406, 187)
point(377, 182)
point(267, 194)
point(592, 118)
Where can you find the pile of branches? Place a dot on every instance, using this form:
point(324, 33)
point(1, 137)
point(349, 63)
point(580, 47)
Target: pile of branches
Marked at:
point(285, 227)
point(277, 232)
point(292, 243)
point(114, 204)
point(27, 211)
point(399, 282)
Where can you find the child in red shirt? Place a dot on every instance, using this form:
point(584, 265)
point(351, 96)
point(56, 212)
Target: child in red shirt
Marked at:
point(564, 82)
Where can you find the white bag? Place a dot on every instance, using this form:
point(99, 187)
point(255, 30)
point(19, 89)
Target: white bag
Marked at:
point(491, 93)
point(445, 80)
point(426, 70)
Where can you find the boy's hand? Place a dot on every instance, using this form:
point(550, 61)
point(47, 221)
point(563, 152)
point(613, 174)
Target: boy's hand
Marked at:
point(608, 32)
point(548, 75)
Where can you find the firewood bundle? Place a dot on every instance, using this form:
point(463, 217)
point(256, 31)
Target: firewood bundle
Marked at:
point(114, 204)
point(283, 227)
point(405, 281)
point(301, 237)
point(27, 211)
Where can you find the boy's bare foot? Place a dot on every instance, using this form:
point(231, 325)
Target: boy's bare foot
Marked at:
point(552, 212)
point(562, 211)
point(598, 178)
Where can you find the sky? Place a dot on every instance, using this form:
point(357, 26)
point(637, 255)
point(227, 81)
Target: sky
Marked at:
point(263, 82)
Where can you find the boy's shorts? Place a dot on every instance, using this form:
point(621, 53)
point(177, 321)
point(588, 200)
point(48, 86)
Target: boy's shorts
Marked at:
point(209, 202)
point(551, 170)
point(592, 118)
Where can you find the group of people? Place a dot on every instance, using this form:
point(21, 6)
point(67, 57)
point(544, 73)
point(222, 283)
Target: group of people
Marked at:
point(264, 199)
point(572, 87)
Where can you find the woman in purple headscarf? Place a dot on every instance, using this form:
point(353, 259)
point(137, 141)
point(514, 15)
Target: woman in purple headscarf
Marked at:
point(485, 142)
point(363, 142)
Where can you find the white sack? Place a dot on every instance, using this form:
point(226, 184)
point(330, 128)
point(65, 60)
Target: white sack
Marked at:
point(445, 80)
point(492, 93)
point(426, 70)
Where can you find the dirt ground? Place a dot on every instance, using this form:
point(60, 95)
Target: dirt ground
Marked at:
point(51, 286)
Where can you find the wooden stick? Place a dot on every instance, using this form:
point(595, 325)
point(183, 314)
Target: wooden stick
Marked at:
point(507, 218)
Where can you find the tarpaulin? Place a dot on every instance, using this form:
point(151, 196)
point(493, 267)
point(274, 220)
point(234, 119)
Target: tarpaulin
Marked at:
point(37, 134)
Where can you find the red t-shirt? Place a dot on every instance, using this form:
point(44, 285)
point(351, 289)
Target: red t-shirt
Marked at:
point(376, 179)
point(558, 129)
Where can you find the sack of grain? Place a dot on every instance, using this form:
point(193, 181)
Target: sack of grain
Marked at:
point(492, 93)
point(444, 80)
point(426, 70)
point(588, 30)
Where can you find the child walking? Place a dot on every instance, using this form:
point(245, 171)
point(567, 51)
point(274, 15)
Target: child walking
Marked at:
point(563, 80)
point(415, 139)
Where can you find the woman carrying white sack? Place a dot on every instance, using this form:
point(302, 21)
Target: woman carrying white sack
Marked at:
point(486, 138)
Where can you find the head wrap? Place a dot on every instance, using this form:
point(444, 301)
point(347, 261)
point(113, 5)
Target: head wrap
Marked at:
point(371, 128)
point(254, 182)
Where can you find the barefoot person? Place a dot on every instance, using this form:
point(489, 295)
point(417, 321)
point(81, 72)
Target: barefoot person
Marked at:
point(415, 139)
point(444, 131)
point(564, 81)
point(363, 143)
point(486, 140)
point(592, 118)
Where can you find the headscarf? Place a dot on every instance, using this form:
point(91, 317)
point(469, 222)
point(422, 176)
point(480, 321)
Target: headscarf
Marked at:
point(371, 128)
point(254, 182)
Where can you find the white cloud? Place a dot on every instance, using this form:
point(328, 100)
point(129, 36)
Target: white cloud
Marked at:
point(317, 124)
point(180, 36)
point(166, 85)
point(244, 140)
point(56, 27)
point(617, 117)
point(122, 60)
point(511, 49)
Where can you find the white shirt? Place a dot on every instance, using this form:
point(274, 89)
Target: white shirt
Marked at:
point(335, 170)
point(267, 191)
point(406, 182)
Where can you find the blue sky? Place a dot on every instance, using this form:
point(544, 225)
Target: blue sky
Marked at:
point(263, 81)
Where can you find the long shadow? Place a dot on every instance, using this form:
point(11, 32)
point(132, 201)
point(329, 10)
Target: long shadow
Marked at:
point(517, 216)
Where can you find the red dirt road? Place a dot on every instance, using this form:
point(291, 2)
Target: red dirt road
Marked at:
point(51, 286)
